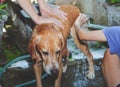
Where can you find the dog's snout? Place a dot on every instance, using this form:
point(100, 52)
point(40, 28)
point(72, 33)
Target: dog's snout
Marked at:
point(54, 74)
point(54, 71)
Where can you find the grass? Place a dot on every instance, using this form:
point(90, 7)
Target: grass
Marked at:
point(11, 52)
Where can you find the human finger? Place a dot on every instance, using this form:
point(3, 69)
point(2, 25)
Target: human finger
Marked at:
point(62, 15)
point(57, 22)
point(83, 18)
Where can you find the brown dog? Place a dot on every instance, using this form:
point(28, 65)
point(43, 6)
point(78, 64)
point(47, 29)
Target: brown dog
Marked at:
point(48, 46)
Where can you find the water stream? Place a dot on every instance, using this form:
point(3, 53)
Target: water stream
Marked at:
point(80, 72)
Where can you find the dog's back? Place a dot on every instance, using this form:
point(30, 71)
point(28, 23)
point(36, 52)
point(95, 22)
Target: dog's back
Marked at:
point(72, 12)
point(48, 46)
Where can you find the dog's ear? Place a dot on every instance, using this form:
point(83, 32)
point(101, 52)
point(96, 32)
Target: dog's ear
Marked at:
point(61, 37)
point(32, 47)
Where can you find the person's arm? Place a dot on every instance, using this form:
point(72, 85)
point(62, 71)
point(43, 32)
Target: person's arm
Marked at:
point(96, 35)
point(27, 6)
point(47, 10)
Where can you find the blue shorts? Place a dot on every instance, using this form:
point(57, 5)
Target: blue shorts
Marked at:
point(118, 85)
point(112, 35)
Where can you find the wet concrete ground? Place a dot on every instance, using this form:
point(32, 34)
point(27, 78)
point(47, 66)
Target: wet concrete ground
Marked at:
point(74, 77)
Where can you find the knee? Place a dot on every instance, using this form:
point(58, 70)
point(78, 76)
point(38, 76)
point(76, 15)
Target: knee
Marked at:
point(106, 55)
point(105, 62)
point(107, 58)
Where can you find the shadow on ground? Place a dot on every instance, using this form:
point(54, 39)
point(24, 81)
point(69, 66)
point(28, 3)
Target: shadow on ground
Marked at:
point(74, 77)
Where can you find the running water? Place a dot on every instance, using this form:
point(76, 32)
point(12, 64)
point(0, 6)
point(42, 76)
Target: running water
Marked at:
point(77, 54)
point(80, 71)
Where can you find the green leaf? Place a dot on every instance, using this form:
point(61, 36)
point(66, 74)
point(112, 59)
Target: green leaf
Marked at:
point(2, 6)
point(3, 12)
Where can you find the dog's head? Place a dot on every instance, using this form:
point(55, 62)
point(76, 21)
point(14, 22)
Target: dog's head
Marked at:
point(46, 45)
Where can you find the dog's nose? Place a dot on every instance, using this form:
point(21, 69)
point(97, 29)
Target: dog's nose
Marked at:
point(54, 74)
point(54, 71)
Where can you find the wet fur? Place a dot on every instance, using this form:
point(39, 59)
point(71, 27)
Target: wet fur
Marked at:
point(48, 44)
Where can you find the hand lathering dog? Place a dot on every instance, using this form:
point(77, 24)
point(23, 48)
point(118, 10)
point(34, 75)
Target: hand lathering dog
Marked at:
point(48, 46)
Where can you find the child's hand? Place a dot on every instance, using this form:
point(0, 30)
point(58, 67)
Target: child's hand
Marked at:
point(82, 20)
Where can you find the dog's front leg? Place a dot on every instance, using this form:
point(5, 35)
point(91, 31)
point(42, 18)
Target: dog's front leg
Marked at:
point(58, 81)
point(38, 72)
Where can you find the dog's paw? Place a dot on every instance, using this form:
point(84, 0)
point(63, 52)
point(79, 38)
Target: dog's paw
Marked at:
point(65, 69)
point(91, 75)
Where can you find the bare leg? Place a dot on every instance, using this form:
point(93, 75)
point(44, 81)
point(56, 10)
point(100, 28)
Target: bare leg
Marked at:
point(111, 69)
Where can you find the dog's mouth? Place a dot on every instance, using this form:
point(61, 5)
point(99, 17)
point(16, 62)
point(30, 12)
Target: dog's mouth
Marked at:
point(52, 71)
point(54, 74)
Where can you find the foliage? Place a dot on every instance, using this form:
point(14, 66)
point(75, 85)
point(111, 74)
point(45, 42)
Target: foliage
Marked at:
point(11, 54)
point(10, 51)
point(2, 10)
point(113, 1)
point(1, 68)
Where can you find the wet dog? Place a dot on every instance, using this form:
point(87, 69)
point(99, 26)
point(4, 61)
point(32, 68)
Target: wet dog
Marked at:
point(48, 46)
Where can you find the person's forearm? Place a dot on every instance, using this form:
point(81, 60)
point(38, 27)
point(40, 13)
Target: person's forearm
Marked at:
point(27, 6)
point(45, 9)
point(96, 35)
point(42, 3)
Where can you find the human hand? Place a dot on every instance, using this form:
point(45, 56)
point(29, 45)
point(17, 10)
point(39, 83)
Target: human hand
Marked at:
point(48, 13)
point(80, 24)
point(42, 20)
point(82, 19)
point(53, 11)
point(62, 15)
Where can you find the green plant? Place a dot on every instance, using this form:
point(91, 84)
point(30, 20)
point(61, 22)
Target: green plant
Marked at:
point(113, 1)
point(3, 12)
point(11, 54)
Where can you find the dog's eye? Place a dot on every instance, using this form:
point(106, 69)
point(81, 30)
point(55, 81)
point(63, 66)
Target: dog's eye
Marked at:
point(58, 52)
point(45, 53)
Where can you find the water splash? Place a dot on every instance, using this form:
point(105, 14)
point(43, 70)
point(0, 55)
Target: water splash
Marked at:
point(80, 74)
point(77, 54)
point(81, 69)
